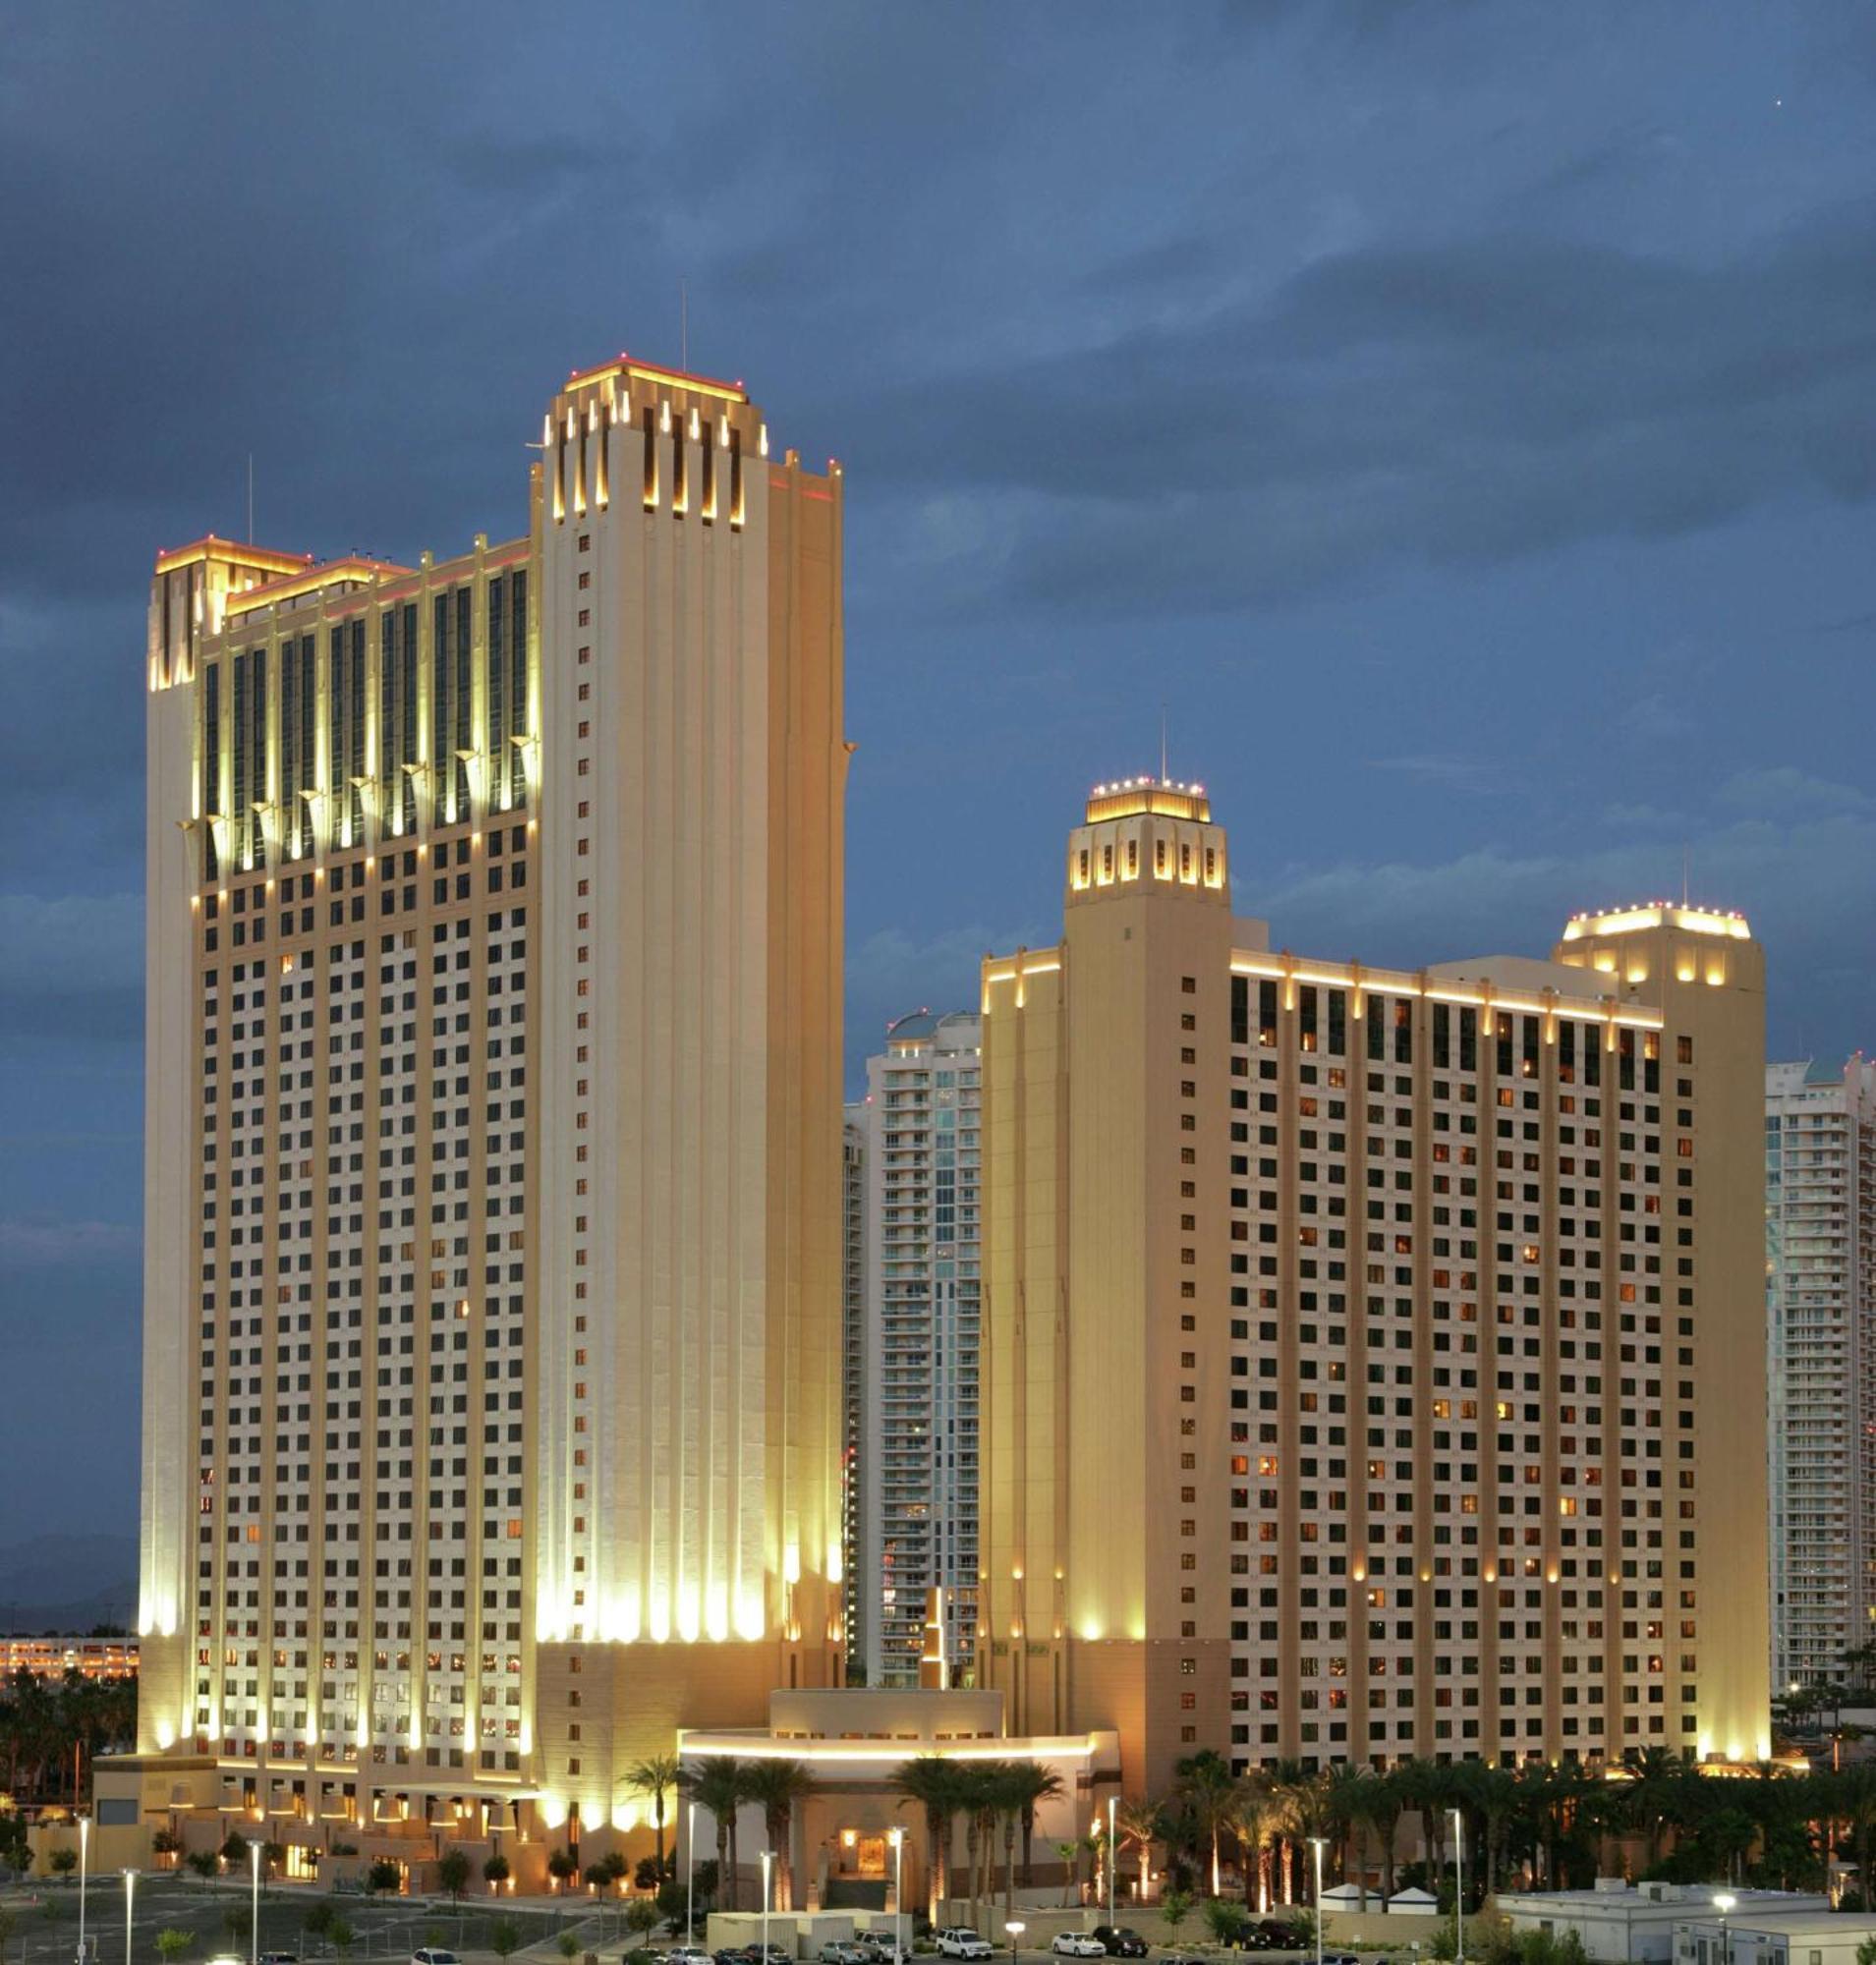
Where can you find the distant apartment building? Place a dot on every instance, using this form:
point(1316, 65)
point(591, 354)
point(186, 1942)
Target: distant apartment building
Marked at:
point(917, 1424)
point(856, 1595)
point(54, 1657)
point(1820, 1312)
point(1374, 1358)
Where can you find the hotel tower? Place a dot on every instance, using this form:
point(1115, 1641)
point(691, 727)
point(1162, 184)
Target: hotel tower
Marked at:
point(1373, 1361)
point(493, 1219)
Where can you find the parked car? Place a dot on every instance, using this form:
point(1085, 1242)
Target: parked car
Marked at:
point(1121, 1940)
point(1278, 1936)
point(838, 1952)
point(731, 1954)
point(1078, 1944)
point(961, 1942)
point(686, 1954)
point(773, 1954)
point(279, 1958)
point(1340, 1958)
point(429, 1955)
point(877, 1947)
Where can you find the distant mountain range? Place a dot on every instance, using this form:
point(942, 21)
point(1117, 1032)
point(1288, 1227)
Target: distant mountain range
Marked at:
point(67, 1583)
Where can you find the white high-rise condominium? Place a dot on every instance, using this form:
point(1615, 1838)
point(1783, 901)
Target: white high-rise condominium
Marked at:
point(918, 1423)
point(1820, 1221)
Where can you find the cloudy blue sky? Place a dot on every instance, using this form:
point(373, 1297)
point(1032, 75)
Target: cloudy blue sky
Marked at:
point(1458, 416)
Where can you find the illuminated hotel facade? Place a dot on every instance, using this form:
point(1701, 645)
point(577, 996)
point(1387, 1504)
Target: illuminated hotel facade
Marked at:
point(1373, 1361)
point(492, 1248)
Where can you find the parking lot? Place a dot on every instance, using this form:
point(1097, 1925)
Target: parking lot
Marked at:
point(45, 1922)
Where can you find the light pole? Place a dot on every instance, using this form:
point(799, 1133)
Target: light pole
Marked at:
point(130, 1894)
point(253, 1906)
point(1723, 1903)
point(1458, 1886)
point(1113, 1801)
point(85, 1852)
point(690, 1874)
point(768, 1856)
point(1315, 1849)
point(1015, 1928)
point(896, 1836)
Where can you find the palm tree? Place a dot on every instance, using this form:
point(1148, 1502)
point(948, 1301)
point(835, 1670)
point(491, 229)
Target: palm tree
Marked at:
point(1651, 1794)
point(1386, 1802)
point(779, 1785)
point(1070, 1855)
point(1256, 1817)
point(937, 1787)
point(1347, 1809)
point(1138, 1822)
point(1209, 1788)
point(1033, 1784)
point(719, 1785)
point(655, 1775)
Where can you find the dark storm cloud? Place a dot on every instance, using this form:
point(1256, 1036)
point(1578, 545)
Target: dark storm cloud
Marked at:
point(1470, 401)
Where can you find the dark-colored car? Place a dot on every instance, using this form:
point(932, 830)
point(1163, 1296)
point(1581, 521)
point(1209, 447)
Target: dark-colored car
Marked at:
point(1275, 1936)
point(1121, 1940)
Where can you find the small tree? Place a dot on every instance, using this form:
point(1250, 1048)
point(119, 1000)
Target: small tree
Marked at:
point(1225, 1920)
point(62, 1862)
point(495, 1870)
point(205, 1863)
point(167, 1843)
point(599, 1877)
point(234, 1852)
point(273, 1859)
point(384, 1874)
point(452, 1872)
point(172, 1943)
point(569, 1944)
point(562, 1867)
point(234, 1921)
point(342, 1937)
point(318, 1921)
point(671, 1903)
point(642, 1917)
point(504, 1938)
point(1866, 1952)
point(1175, 1908)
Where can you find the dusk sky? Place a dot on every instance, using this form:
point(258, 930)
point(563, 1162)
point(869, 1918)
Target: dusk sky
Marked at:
point(1459, 417)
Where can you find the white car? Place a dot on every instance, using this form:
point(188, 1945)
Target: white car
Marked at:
point(1077, 1944)
point(686, 1954)
point(961, 1942)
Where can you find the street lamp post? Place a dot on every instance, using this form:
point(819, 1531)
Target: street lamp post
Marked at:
point(84, 1853)
point(690, 1874)
point(1315, 1849)
point(768, 1856)
point(130, 1894)
point(253, 1906)
point(1723, 1903)
point(896, 1836)
point(1015, 1928)
point(1113, 1803)
point(1458, 1885)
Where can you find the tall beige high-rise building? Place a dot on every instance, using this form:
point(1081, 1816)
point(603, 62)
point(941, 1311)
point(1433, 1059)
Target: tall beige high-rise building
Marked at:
point(493, 1207)
point(1373, 1360)
point(1820, 1313)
